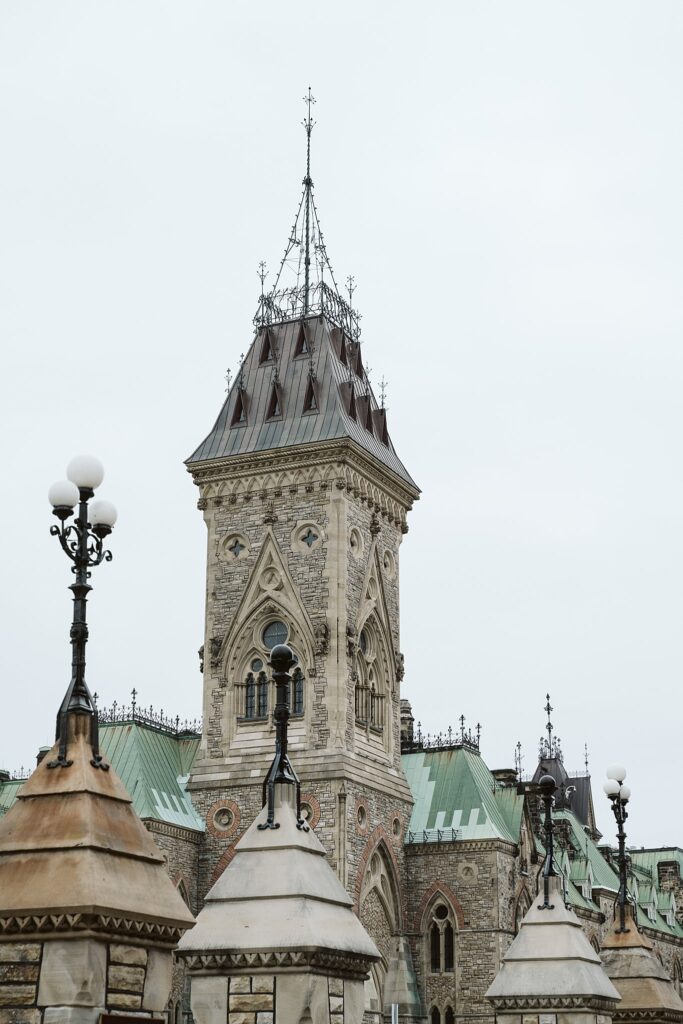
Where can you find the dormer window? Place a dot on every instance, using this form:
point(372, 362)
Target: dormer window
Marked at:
point(301, 346)
point(267, 348)
point(239, 413)
point(274, 404)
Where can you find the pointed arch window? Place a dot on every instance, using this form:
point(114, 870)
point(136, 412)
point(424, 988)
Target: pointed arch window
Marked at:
point(262, 695)
point(370, 671)
point(250, 697)
point(297, 700)
point(450, 1016)
point(441, 939)
point(435, 1015)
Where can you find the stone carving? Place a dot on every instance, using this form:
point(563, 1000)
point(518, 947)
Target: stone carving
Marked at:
point(400, 666)
point(215, 644)
point(351, 641)
point(200, 652)
point(322, 638)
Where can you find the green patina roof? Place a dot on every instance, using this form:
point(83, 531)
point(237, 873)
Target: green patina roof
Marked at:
point(453, 789)
point(154, 767)
point(649, 860)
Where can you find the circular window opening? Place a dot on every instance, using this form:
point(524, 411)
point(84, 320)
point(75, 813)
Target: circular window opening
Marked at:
point(396, 826)
point(223, 818)
point(441, 912)
point(363, 641)
point(256, 665)
point(362, 816)
point(306, 811)
point(275, 633)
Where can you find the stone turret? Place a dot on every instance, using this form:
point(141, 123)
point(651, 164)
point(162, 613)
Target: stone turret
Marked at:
point(277, 941)
point(88, 915)
point(644, 986)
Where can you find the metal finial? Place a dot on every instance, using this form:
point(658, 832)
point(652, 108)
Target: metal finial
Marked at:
point(228, 379)
point(262, 275)
point(350, 287)
point(133, 694)
point(547, 787)
point(382, 391)
point(585, 756)
point(518, 759)
point(308, 185)
point(549, 727)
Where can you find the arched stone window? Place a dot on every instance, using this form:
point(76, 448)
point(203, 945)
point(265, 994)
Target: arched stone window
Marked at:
point(435, 1015)
point(371, 676)
point(450, 1016)
point(297, 697)
point(441, 939)
point(250, 696)
point(262, 695)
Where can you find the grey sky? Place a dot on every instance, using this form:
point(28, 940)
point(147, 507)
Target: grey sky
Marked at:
point(504, 181)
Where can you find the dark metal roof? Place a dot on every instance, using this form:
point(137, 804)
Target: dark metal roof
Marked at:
point(331, 420)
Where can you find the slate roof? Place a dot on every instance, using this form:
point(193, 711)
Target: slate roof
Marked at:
point(334, 367)
point(154, 767)
point(453, 789)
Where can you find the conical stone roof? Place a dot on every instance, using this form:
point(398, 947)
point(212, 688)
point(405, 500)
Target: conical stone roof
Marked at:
point(279, 904)
point(74, 856)
point(551, 964)
point(647, 992)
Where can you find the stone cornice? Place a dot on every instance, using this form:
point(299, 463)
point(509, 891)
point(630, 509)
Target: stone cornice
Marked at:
point(89, 925)
point(162, 828)
point(625, 1016)
point(533, 1003)
point(341, 450)
point(463, 846)
point(321, 961)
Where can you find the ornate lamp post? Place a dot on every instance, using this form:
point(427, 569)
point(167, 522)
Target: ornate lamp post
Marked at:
point(619, 795)
point(547, 786)
point(82, 542)
point(281, 661)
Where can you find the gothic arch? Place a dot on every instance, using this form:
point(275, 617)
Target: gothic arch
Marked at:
point(380, 843)
point(521, 905)
point(438, 890)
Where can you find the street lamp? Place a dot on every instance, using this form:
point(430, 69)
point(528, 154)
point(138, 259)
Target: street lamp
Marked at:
point(619, 795)
point(547, 786)
point(82, 541)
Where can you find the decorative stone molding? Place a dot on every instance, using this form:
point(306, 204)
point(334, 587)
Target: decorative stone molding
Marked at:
point(101, 926)
point(310, 800)
point(162, 828)
point(523, 1004)
point(379, 837)
point(316, 960)
point(223, 819)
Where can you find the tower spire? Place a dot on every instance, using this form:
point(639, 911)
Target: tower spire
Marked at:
point(308, 187)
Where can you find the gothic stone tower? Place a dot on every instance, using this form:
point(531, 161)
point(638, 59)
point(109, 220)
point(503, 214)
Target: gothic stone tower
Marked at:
point(305, 504)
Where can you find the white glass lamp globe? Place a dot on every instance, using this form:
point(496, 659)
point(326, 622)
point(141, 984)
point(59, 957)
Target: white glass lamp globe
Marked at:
point(616, 771)
point(85, 471)
point(63, 494)
point(625, 793)
point(611, 787)
point(102, 513)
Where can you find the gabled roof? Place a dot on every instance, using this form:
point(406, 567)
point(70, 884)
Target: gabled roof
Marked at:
point(336, 381)
point(453, 789)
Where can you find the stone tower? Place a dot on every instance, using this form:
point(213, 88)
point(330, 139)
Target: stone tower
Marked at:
point(305, 503)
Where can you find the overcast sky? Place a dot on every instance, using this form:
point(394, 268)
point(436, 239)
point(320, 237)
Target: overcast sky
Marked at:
point(504, 181)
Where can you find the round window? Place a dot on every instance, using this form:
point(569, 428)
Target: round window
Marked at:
point(362, 816)
point(223, 818)
point(441, 912)
point(275, 633)
point(256, 665)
